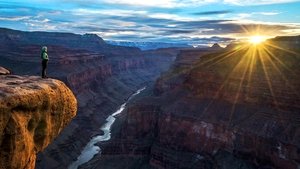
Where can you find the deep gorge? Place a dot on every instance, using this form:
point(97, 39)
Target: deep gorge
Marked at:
point(203, 108)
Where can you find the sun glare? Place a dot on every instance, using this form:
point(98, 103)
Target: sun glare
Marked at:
point(256, 39)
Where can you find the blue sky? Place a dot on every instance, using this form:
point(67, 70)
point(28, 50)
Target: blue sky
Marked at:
point(186, 21)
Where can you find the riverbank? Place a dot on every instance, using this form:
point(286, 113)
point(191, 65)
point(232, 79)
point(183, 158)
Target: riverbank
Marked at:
point(92, 149)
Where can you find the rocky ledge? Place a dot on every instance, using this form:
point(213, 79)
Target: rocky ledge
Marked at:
point(33, 111)
point(4, 71)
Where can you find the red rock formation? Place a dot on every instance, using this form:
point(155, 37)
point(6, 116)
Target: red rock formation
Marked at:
point(237, 108)
point(33, 112)
point(4, 71)
point(101, 76)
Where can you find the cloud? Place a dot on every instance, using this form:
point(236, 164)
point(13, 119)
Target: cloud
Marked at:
point(268, 13)
point(161, 3)
point(98, 28)
point(173, 3)
point(254, 14)
point(244, 15)
point(256, 2)
point(144, 4)
point(145, 28)
point(213, 12)
point(110, 12)
point(15, 18)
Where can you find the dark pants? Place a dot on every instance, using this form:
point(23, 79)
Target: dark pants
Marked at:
point(44, 65)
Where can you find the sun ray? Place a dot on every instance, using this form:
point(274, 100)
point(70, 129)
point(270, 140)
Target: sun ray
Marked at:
point(267, 77)
point(235, 69)
point(251, 69)
point(228, 55)
point(280, 48)
point(220, 89)
point(245, 65)
point(274, 97)
point(269, 54)
point(242, 80)
point(238, 91)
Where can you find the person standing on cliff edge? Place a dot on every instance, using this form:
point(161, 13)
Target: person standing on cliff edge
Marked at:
point(45, 59)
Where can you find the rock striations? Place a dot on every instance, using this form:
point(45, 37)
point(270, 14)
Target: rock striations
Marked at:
point(232, 109)
point(102, 77)
point(33, 111)
point(4, 71)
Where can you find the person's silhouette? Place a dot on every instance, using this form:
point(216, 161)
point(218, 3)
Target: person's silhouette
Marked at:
point(45, 59)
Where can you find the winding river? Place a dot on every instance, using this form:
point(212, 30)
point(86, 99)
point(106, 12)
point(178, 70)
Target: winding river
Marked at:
point(90, 150)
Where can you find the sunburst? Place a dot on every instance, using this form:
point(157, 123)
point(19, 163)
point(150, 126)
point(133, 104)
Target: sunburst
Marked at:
point(257, 39)
point(257, 55)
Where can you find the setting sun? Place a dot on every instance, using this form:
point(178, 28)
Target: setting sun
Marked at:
point(256, 39)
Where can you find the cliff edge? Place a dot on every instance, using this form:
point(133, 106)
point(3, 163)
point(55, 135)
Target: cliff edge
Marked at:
point(33, 111)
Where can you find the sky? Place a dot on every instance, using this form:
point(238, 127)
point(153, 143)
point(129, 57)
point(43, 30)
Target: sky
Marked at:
point(175, 21)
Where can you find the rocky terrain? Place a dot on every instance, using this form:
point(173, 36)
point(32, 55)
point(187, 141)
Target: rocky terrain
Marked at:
point(33, 111)
point(4, 71)
point(235, 108)
point(102, 77)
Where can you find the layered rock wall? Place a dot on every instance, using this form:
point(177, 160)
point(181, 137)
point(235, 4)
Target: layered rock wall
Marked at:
point(232, 109)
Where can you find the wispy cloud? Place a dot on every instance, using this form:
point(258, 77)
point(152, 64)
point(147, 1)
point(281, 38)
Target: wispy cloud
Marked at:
point(177, 3)
point(255, 14)
point(268, 13)
point(110, 12)
point(161, 3)
point(257, 2)
point(213, 12)
point(14, 18)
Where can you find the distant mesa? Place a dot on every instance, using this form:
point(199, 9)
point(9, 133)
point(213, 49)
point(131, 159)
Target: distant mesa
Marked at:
point(286, 42)
point(23, 41)
point(234, 45)
point(93, 37)
point(216, 46)
point(295, 39)
point(231, 45)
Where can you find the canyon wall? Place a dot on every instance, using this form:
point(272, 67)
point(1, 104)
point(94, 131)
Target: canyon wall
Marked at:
point(33, 112)
point(236, 108)
point(101, 76)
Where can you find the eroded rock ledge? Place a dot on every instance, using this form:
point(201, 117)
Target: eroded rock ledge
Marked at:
point(4, 71)
point(33, 111)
